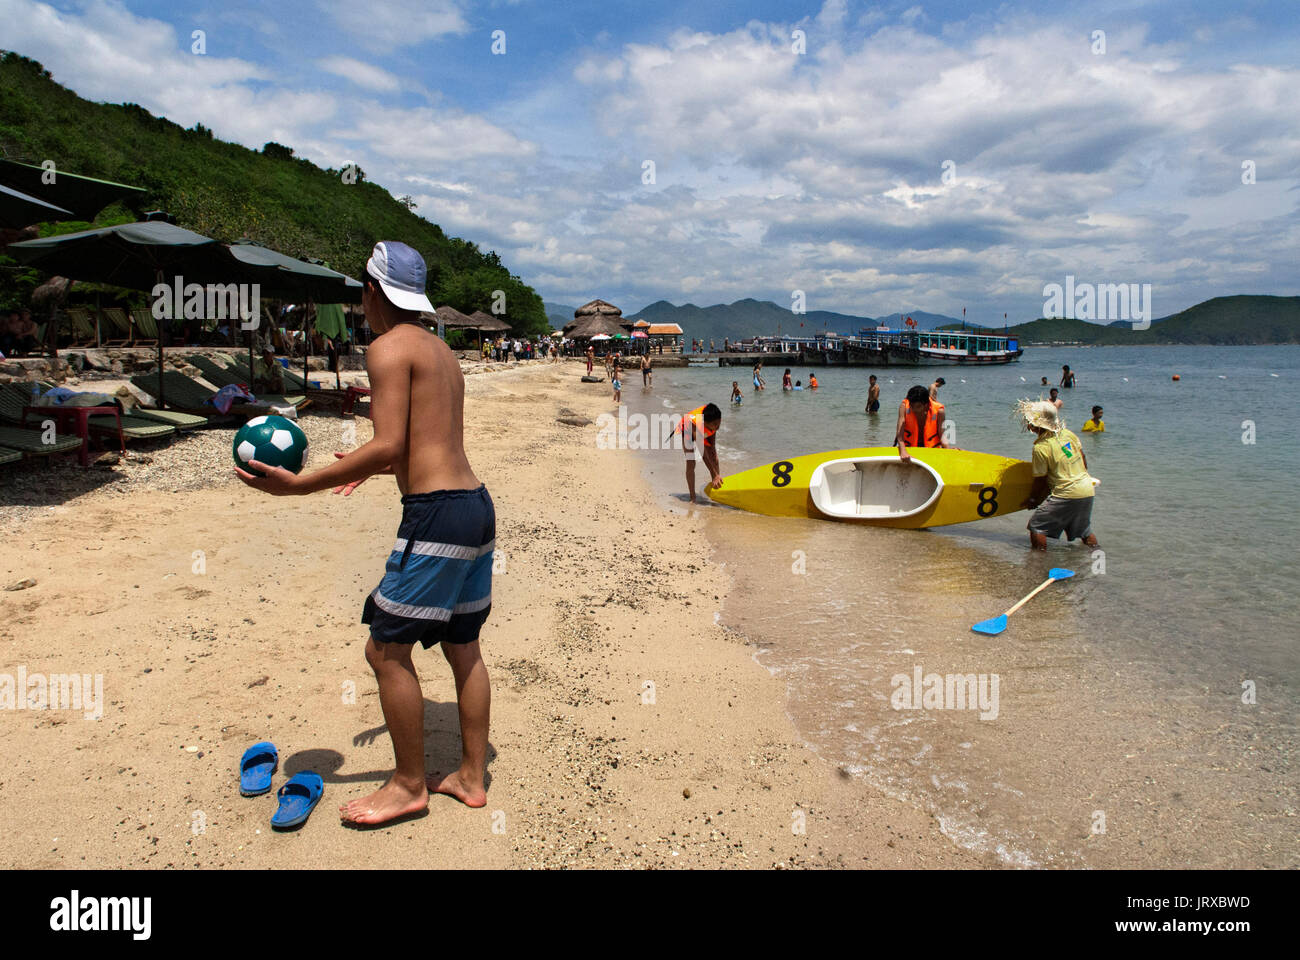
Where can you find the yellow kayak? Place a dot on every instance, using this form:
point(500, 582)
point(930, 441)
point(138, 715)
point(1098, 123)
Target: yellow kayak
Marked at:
point(874, 485)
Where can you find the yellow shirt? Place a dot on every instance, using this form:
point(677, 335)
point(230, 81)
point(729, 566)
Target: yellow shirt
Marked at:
point(1094, 426)
point(1060, 459)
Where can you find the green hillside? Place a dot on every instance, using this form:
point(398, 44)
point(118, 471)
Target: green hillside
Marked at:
point(227, 191)
point(1227, 321)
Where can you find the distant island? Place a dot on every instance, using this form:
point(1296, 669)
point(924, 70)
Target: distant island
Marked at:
point(1228, 321)
point(1242, 320)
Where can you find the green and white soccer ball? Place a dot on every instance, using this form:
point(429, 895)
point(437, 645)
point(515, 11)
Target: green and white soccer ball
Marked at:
point(272, 440)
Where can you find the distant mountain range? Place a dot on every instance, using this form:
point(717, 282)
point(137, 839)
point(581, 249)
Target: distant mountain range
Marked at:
point(558, 313)
point(749, 317)
point(1228, 321)
point(1243, 319)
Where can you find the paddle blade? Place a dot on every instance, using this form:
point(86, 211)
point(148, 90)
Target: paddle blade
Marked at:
point(992, 627)
point(1060, 573)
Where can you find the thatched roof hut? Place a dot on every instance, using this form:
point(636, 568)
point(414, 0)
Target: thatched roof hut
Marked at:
point(453, 319)
point(601, 307)
point(487, 323)
point(50, 294)
point(593, 324)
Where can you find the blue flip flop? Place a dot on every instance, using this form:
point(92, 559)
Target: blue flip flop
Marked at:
point(298, 797)
point(255, 768)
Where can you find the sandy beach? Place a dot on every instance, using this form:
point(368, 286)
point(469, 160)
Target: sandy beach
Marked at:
point(218, 618)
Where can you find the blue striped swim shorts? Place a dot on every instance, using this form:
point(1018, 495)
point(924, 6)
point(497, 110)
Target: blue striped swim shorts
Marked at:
point(437, 584)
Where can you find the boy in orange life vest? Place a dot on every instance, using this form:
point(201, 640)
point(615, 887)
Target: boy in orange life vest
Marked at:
point(920, 422)
point(705, 441)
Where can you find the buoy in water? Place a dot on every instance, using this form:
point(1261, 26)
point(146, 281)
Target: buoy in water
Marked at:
point(1177, 377)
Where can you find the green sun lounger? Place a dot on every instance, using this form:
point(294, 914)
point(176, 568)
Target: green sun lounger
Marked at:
point(191, 396)
point(183, 422)
point(119, 328)
point(146, 327)
point(237, 374)
point(29, 441)
point(180, 422)
point(137, 428)
point(81, 326)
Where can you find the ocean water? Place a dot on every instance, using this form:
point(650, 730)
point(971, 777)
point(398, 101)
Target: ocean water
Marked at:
point(1146, 709)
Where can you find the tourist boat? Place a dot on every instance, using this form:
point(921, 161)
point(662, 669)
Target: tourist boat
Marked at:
point(909, 348)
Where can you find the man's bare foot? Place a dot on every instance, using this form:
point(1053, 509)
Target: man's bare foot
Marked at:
point(389, 802)
point(454, 785)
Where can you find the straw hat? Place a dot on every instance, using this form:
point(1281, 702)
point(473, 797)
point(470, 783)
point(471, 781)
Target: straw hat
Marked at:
point(1041, 414)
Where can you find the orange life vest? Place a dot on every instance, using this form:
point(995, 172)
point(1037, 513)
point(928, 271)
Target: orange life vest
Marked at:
point(696, 417)
point(911, 432)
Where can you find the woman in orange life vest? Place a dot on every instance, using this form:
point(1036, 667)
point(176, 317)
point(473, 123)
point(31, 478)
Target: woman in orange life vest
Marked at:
point(920, 422)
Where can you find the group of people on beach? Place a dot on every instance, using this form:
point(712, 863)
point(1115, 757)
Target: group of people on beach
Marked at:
point(614, 370)
point(18, 334)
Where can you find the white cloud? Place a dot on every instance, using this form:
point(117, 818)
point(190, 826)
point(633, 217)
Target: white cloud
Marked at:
point(397, 23)
point(364, 75)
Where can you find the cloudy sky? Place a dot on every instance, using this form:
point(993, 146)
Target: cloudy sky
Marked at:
point(878, 156)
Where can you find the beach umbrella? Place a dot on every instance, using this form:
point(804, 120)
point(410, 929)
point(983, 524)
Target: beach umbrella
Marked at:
point(133, 255)
point(18, 209)
point(282, 276)
point(82, 197)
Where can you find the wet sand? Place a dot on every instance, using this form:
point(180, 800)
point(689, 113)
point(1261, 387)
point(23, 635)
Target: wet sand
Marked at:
point(603, 593)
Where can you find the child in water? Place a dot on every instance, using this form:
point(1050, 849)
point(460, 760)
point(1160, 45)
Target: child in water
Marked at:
point(1096, 424)
point(812, 381)
point(735, 392)
point(785, 380)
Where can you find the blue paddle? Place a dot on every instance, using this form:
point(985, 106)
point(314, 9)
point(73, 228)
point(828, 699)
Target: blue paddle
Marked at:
point(996, 625)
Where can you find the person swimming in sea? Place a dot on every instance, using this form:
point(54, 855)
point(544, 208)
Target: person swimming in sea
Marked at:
point(759, 382)
point(1096, 424)
point(873, 395)
point(812, 381)
point(785, 380)
point(735, 392)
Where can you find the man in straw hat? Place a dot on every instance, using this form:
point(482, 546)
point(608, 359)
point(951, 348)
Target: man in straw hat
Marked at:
point(1062, 472)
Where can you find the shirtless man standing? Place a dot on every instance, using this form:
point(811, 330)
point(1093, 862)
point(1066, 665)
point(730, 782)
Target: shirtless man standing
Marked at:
point(437, 584)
